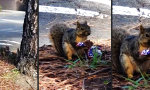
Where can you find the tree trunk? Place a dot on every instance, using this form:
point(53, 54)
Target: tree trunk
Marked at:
point(28, 54)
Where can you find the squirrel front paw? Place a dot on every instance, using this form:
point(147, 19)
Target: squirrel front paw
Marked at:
point(69, 58)
point(130, 76)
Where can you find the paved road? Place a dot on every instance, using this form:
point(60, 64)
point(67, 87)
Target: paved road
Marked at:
point(129, 21)
point(11, 24)
point(100, 24)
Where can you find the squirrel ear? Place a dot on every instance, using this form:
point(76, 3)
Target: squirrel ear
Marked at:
point(141, 29)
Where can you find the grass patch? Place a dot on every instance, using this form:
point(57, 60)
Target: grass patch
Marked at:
point(92, 63)
point(12, 75)
point(106, 82)
point(8, 80)
point(95, 60)
point(142, 82)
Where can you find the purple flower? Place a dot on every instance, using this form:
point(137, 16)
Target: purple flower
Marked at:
point(94, 49)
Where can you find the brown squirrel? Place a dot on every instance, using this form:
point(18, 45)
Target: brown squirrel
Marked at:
point(64, 39)
point(126, 51)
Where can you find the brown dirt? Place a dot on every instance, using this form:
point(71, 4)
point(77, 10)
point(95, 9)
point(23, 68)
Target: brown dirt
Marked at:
point(5, 82)
point(53, 74)
point(12, 79)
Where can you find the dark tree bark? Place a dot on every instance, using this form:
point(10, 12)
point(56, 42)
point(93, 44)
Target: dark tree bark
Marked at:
point(28, 54)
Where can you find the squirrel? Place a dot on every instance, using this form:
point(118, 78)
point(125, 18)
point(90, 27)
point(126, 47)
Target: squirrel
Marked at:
point(64, 39)
point(127, 49)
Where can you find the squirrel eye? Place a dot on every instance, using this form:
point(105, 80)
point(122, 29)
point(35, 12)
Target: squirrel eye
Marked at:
point(82, 28)
point(147, 35)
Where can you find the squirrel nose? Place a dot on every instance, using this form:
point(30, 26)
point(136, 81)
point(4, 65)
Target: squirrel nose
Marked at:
point(88, 33)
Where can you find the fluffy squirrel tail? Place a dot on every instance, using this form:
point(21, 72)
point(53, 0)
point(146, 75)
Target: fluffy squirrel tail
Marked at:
point(118, 36)
point(56, 36)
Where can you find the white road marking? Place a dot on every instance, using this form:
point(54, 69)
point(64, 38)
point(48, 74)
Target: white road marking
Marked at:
point(64, 10)
point(8, 41)
point(10, 30)
point(5, 44)
point(121, 10)
point(12, 21)
point(106, 2)
point(12, 11)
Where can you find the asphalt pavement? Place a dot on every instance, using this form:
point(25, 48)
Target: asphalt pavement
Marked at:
point(11, 27)
point(131, 20)
point(11, 22)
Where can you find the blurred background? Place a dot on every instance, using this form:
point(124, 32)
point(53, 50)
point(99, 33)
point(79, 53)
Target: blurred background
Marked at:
point(12, 13)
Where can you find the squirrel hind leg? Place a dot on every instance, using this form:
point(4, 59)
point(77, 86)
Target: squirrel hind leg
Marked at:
point(68, 50)
point(127, 65)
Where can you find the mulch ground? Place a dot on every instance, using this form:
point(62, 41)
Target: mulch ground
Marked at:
point(53, 75)
point(120, 82)
point(5, 82)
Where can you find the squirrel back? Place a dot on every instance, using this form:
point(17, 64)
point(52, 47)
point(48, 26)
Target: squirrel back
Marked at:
point(118, 36)
point(56, 36)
